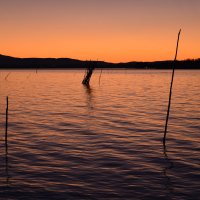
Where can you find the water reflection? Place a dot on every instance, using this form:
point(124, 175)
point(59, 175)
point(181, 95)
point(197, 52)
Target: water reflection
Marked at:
point(7, 176)
point(166, 171)
point(7, 167)
point(54, 150)
point(89, 96)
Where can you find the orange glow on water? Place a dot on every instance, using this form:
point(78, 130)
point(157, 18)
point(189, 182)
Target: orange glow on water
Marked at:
point(60, 130)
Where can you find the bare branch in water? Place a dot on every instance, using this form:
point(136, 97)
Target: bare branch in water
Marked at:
point(88, 74)
point(7, 75)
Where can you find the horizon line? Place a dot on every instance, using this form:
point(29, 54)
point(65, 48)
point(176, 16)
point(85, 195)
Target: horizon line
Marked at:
point(187, 59)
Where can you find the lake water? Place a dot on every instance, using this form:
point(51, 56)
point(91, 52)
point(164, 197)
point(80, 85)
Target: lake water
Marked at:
point(68, 141)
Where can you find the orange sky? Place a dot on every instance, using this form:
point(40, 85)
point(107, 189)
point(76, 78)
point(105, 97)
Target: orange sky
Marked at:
point(109, 30)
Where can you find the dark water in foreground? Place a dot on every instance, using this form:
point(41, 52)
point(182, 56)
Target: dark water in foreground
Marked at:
point(67, 141)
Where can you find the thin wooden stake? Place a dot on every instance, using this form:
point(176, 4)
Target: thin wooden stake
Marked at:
point(6, 128)
point(7, 75)
point(170, 93)
point(100, 77)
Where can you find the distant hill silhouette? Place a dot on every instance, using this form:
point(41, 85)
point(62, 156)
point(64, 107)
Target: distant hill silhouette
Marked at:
point(7, 62)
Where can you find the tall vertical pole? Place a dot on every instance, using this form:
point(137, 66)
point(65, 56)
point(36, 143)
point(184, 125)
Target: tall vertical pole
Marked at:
point(170, 93)
point(6, 128)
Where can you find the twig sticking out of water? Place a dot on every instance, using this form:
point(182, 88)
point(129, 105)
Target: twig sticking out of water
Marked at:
point(170, 93)
point(7, 75)
point(6, 126)
point(100, 76)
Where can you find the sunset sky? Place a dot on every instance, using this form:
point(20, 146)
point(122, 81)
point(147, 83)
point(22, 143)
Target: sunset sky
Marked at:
point(109, 30)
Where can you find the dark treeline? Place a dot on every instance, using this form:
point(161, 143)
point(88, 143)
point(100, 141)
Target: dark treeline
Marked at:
point(7, 62)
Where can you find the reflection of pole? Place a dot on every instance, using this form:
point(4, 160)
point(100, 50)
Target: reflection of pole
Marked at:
point(6, 167)
point(170, 93)
point(89, 100)
point(89, 91)
point(168, 184)
point(6, 128)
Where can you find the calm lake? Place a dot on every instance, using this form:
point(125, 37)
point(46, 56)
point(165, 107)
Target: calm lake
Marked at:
point(68, 141)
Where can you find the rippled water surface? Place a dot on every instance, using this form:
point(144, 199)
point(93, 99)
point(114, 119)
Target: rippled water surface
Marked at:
point(67, 141)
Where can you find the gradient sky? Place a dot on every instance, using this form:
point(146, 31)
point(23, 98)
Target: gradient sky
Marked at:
point(109, 30)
